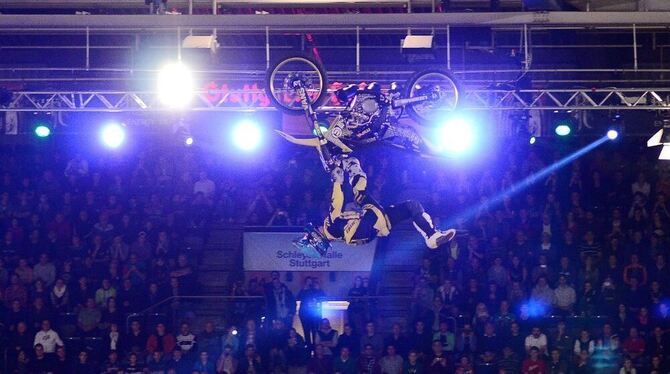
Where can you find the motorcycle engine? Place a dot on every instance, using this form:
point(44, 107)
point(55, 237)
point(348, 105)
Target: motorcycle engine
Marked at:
point(365, 111)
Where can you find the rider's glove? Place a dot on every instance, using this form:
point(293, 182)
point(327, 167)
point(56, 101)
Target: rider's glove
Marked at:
point(337, 175)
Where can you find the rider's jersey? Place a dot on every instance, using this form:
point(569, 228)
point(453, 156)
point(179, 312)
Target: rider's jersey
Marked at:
point(358, 228)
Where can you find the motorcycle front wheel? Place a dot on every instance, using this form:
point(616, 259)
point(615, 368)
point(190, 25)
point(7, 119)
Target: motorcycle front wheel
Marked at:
point(442, 89)
point(305, 68)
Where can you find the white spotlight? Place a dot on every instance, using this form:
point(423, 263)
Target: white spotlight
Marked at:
point(455, 136)
point(175, 85)
point(612, 134)
point(247, 136)
point(113, 135)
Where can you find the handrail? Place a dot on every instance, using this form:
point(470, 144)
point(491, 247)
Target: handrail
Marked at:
point(228, 297)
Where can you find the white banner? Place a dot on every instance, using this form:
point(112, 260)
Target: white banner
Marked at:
point(274, 251)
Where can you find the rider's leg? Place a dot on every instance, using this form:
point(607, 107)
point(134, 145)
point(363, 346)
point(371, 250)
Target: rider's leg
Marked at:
point(421, 220)
point(357, 177)
point(406, 134)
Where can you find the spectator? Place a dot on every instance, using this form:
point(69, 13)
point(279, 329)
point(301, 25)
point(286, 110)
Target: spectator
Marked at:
point(445, 337)
point(368, 363)
point(227, 363)
point(565, 297)
point(533, 364)
point(391, 363)
point(48, 338)
point(326, 336)
point(437, 363)
point(203, 365)
point(186, 340)
point(634, 346)
point(371, 337)
point(536, 340)
point(89, 318)
point(344, 364)
point(161, 340)
point(412, 365)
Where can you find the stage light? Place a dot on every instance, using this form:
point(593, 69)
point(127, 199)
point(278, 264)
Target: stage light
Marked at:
point(247, 136)
point(113, 135)
point(662, 138)
point(455, 136)
point(532, 140)
point(612, 134)
point(175, 85)
point(42, 131)
point(188, 141)
point(563, 130)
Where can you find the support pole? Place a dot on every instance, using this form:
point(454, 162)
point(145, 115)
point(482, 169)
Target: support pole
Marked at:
point(190, 7)
point(358, 49)
point(634, 47)
point(267, 47)
point(526, 57)
point(448, 47)
point(88, 48)
point(179, 44)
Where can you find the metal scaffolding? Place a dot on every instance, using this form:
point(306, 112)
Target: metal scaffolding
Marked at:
point(255, 100)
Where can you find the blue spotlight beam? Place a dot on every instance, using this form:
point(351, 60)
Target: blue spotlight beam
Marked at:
point(529, 181)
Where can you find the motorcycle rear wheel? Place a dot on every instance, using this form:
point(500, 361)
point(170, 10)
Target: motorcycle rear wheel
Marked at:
point(311, 71)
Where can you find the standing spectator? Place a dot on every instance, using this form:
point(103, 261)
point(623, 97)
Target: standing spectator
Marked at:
point(310, 313)
point(204, 185)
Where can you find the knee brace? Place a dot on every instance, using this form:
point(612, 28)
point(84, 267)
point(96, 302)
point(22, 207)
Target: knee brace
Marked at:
point(357, 177)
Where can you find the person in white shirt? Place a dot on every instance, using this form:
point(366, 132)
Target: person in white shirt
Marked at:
point(48, 338)
point(204, 185)
point(186, 340)
point(536, 339)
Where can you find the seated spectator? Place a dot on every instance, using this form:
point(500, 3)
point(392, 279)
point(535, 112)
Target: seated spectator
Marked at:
point(565, 297)
point(371, 337)
point(186, 341)
point(209, 340)
point(41, 363)
point(412, 365)
point(368, 363)
point(536, 340)
point(203, 365)
point(88, 318)
point(60, 296)
point(161, 340)
point(227, 363)
point(45, 270)
point(445, 337)
point(112, 365)
point(231, 339)
point(136, 340)
point(134, 366)
point(533, 364)
point(344, 364)
point(252, 363)
point(397, 339)
point(178, 363)
point(584, 343)
point(420, 340)
point(112, 340)
point(349, 339)
point(83, 365)
point(391, 363)
point(509, 361)
point(437, 362)
point(326, 336)
point(48, 338)
point(627, 367)
point(466, 343)
point(634, 346)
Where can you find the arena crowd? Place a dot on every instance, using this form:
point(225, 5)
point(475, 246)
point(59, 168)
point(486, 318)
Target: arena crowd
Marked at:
point(567, 276)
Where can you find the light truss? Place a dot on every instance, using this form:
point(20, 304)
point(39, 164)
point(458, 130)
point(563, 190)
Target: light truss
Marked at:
point(243, 100)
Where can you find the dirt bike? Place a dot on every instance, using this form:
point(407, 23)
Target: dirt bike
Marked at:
point(368, 113)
